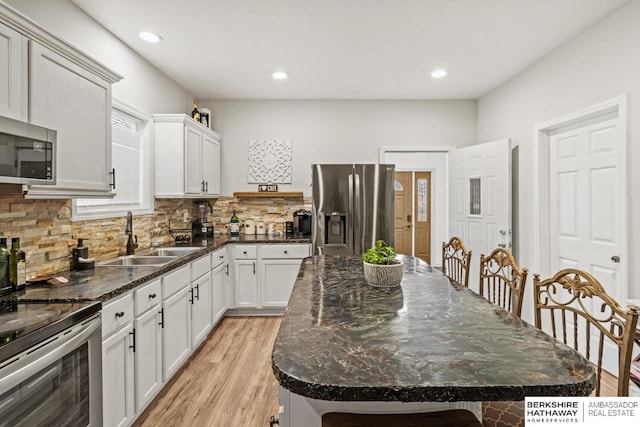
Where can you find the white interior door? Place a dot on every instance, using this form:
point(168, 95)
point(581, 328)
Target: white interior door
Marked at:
point(587, 227)
point(480, 199)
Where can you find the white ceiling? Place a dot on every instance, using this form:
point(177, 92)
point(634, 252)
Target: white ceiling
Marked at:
point(345, 49)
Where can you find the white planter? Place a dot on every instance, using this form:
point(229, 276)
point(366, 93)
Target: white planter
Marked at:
point(383, 275)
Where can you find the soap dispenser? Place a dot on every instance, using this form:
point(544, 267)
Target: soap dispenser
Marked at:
point(80, 257)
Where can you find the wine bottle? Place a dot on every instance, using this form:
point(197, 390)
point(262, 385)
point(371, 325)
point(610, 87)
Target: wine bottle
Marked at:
point(195, 114)
point(5, 285)
point(234, 226)
point(17, 266)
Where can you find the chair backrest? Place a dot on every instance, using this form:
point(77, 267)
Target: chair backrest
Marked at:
point(575, 298)
point(502, 281)
point(456, 260)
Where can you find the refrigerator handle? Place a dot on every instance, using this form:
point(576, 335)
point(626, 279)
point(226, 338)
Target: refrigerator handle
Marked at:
point(350, 216)
point(357, 220)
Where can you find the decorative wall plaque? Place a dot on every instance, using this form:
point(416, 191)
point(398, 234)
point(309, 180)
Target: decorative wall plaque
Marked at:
point(269, 162)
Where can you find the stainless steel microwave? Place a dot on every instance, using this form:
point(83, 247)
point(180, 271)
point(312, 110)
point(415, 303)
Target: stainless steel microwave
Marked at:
point(27, 153)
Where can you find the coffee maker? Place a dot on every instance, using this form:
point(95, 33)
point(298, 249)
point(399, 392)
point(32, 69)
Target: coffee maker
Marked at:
point(302, 222)
point(201, 226)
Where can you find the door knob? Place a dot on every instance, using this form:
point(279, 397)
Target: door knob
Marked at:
point(615, 258)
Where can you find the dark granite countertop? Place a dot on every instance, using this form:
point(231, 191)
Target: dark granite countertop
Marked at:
point(427, 340)
point(105, 283)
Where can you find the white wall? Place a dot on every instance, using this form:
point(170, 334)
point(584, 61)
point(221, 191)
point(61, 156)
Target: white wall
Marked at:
point(143, 85)
point(334, 132)
point(597, 65)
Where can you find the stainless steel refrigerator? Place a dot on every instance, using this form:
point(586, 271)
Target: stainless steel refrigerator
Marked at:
point(353, 207)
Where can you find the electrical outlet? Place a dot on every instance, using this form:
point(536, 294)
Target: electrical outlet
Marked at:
point(272, 210)
point(185, 216)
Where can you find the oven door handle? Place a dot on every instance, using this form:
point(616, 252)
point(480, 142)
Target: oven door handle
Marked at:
point(27, 365)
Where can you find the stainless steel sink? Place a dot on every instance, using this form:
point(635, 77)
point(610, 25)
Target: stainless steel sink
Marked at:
point(176, 252)
point(137, 261)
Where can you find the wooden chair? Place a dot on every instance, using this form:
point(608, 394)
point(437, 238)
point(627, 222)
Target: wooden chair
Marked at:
point(502, 281)
point(574, 297)
point(456, 260)
point(449, 418)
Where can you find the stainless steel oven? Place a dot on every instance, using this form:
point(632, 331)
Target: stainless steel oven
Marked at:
point(50, 365)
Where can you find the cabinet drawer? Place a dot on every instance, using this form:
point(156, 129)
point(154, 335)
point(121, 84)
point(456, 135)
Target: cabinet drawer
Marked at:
point(117, 314)
point(146, 297)
point(173, 282)
point(245, 252)
point(218, 257)
point(284, 251)
point(200, 267)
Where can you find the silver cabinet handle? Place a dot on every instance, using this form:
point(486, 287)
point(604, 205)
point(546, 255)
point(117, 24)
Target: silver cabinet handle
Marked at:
point(120, 314)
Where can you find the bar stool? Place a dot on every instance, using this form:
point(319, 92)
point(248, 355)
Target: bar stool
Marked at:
point(456, 259)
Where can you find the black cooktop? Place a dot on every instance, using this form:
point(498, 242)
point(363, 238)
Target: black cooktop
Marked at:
point(23, 325)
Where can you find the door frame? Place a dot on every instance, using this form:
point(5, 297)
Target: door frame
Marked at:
point(436, 261)
point(617, 107)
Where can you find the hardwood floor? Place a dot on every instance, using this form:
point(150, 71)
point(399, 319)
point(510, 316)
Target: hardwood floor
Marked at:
point(228, 382)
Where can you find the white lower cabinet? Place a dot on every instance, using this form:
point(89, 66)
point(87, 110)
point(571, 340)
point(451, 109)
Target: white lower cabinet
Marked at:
point(176, 331)
point(219, 283)
point(148, 344)
point(277, 277)
point(200, 309)
point(246, 288)
point(279, 267)
point(117, 362)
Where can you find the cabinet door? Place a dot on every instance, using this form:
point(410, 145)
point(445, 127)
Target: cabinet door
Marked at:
point(148, 357)
point(176, 332)
point(211, 165)
point(200, 309)
point(193, 161)
point(218, 283)
point(117, 378)
point(13, 74)
point(77, 104)
point(246, 282)
point(277, 278)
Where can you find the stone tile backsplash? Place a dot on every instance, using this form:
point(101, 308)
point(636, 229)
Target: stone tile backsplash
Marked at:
point(47, 232)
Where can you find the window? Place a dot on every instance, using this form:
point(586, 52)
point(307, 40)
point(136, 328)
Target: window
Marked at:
point(131, 157)
point(475, 197)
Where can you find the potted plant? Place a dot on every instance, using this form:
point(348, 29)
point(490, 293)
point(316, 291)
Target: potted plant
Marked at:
point(381, 268)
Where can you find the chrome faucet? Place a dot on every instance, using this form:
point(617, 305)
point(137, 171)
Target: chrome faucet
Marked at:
point(131, 244)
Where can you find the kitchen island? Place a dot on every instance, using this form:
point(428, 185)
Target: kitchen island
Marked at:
point(426, 345)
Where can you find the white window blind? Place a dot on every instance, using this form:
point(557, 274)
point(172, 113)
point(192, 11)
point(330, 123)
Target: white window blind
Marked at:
point(126, 134)
point(131, 158)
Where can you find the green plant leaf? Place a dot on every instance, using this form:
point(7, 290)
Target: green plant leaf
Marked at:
point(380, 253)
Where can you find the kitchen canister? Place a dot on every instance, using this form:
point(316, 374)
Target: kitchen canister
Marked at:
point(271, 229)
point(260, 228)
point(249, 227)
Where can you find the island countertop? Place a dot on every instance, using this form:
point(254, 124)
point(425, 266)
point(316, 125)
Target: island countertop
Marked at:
point(426, 340)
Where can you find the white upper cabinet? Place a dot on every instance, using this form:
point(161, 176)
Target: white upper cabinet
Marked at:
point(66, 91)
point(83, 121)
point(187, 157)
point(13, 74)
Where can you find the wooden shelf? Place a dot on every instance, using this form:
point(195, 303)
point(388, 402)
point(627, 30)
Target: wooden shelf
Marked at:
point(276, 194)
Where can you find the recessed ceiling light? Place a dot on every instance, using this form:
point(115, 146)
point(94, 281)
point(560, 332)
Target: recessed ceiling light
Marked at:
point(150, 37)
point(280, 75)
point(436, 74)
